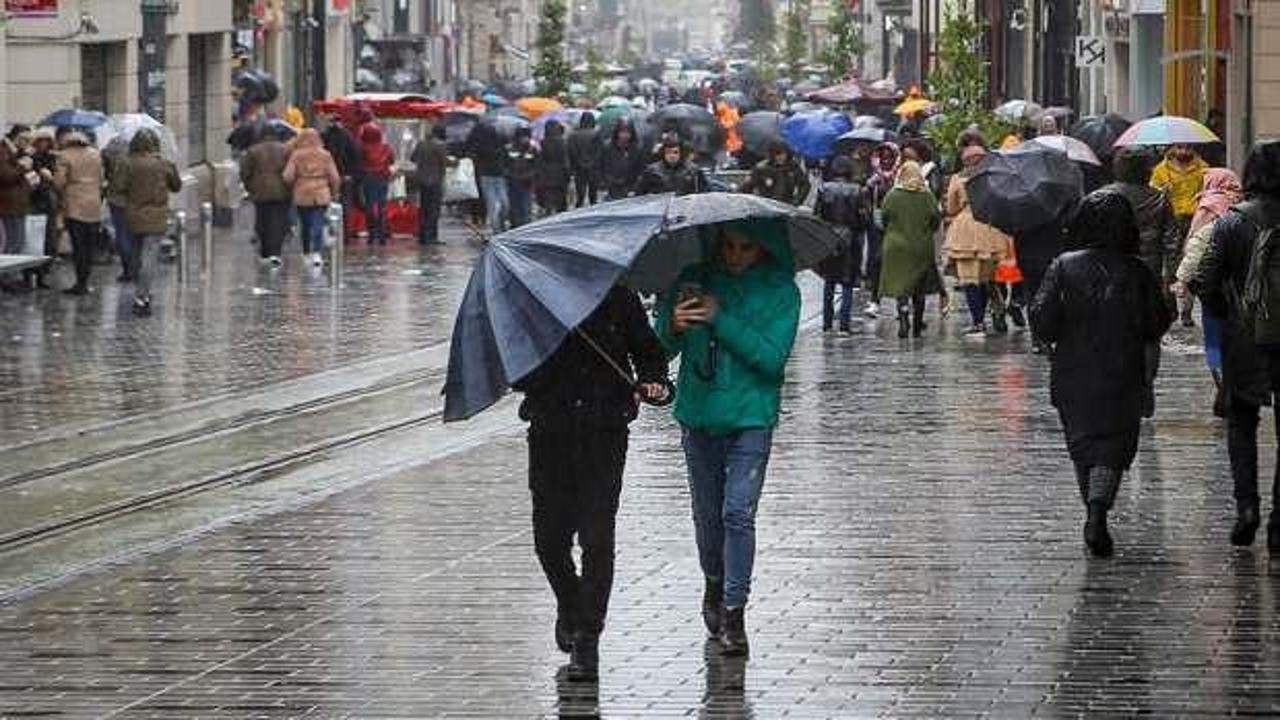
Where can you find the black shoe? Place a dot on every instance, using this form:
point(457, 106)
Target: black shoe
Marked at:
point(584, 660)
point(1246, 526)
point(142, 307)
point(999, 324)
point(713, 607)
point(1273, 537)
point(845, 329)
point(564, 632)
point(1096, 536)
point(1015, 314)
point(918, 328)
point(76, 290)
point(904, 327)
point(735, 633)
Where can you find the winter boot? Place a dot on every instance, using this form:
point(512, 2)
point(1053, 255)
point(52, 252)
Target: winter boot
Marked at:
point(564, 630)
point(1096, 536)
point(904, 324)
point(713, 607)
point(1273, 536)
point(1016, 315)
point(1246, 526)
point(918, 325)
point(1082, 479)
point(584, 660)
point(735, 633)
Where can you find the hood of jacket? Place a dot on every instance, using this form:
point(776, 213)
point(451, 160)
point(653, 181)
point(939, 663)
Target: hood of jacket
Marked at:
point(371, 135)
point(771, 234)
point(1104, 220)
point(308, 139)
point(144, 142)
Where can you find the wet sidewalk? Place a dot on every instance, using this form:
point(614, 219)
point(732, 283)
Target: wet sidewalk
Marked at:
point(919, 556)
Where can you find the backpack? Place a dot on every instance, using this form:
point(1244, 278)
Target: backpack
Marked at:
point(1260, 301)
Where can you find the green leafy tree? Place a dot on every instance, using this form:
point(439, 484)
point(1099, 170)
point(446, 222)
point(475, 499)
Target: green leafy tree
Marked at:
point(959, 83)
point(552, 70)
point(755, 22)
point(796, 39)
point(846, 45)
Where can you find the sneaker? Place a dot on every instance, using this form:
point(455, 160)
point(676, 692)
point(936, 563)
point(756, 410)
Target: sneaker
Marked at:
point(976, 331)
point(872, 310)
point(275, 261)
point(317, 260)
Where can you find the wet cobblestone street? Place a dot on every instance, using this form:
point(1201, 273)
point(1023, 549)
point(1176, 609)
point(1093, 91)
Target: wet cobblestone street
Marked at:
point(919, 542)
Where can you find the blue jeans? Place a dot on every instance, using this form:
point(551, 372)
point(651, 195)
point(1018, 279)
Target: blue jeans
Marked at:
point(519, 203)
point(375, 203)
point(1212, 325)
point(124, 241)
point(312, 220)
point(829, 303)
point(494, 191)
point(726, 475)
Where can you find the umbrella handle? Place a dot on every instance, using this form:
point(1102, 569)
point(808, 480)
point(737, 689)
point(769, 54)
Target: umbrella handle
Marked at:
point(667, 398)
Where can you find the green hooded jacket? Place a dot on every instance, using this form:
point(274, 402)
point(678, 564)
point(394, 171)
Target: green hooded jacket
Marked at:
point(754, 331)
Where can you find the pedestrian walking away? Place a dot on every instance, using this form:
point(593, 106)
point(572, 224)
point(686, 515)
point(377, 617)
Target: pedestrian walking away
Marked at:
point(1180, 175)
point(884, 163)
point(551, 183)
point(910, 270)
point(1236, 279)
point(1099, 306)
point(522, 172)
point(145, 181)
point(841, 202)
point(733, 321)
point(262, 170)
point(379, 167)
point(578, 408)
point(489, 153)
point(430, 161)
point(584, 146)
point(1157, 228)
point(974, 249)
point(78, 179)
point(316, 182)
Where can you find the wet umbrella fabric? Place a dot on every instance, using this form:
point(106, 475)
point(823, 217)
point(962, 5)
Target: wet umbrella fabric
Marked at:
point(1075, 149)
point(535, 284)
point(1019, 111)
point(867, 121)
point(1024, 188)
point(506, 125)
point(737, 99)
point(118, 132)
point(75, 119)
point(759, 129)
point(1167, 130)
point(813, 135)
point(257, 86)
point(684, 116)
point(869, 135)
point(1100, 132)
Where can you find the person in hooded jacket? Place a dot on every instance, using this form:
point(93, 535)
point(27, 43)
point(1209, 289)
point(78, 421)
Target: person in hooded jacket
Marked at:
point(841, 203)
point(522, 172)
point(1157, 229)
point(584, 148)
point(621, 162)
point(262, 170)
point(379, 167)
point(552, 181)
point(910, 271)
point(346, 156)
point(1250, 345)
point(733, 321)
point(673, 173)
point(780, 177)
point(1100, 306)
point(316, 181)
point(145, 179)
point(78, 179)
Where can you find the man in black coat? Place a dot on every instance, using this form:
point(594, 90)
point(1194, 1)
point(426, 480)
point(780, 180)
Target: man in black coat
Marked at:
point(781, 177)
point(621, 162)
point(1100, 306)
point(1250, 372)
point(841, 203)
point(578, 407)
point(584, 147)
point(672, 173)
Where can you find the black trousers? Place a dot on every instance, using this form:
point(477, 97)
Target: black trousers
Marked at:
point(575, 478)
point(270, 221)
point(586, 187)
point(84, 243)
point(1242, 444)
point(429, 199)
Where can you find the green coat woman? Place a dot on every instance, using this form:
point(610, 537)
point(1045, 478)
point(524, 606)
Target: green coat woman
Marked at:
point(909, 271)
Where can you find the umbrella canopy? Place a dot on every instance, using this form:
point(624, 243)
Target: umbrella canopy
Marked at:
point(871, 136)
point(115, 135)
point(867, 121)
point(1059, 113)
point(535, 284)
point(613, 101)
point(850, 91)
point(539, 126)
point(256, 86)
point(474, 88)
point(646, 132)
point(683, 115)
point(535, 107)
point(244, 136)
point(75, 119)
point(457, 127)
point(1019, 111)
point(494, 99)
point(1024, 188)
point(914, 106)
point(506, 125)
point(796, 108)
point(759, 129)
point(736, 98)
point(1075, 150)
point(813, 135)
point(1167, 130)
point(1100, 132)
point(647, 85)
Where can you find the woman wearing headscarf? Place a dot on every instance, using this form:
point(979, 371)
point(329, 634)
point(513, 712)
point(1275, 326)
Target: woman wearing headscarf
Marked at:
point(910, 273)
point(1100, 306)
point(973, 249)
point(1222, 190)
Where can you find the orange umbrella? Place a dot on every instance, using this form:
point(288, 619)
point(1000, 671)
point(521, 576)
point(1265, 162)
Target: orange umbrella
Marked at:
point(535, 107)
point(914, 105)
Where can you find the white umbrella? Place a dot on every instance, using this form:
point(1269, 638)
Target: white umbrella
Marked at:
point(119, 130)
point(1075, 149)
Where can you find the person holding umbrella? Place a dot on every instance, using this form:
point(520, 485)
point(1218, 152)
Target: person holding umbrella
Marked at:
point(973, 249)
point(1100, 307)
point(1180, 176)
point(910, 272)
point(780, 177)
point(733, 319)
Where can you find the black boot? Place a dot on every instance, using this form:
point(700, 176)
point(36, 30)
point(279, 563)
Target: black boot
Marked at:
point(1246, 526)
point(584, 660)
point(1273, 536)
point(1095, 531)
point(713, 607)
point(918, 325)
point(1015, 314)
point(735, 633)
point(1082, 479)
point(904, 325)
point(564, 630)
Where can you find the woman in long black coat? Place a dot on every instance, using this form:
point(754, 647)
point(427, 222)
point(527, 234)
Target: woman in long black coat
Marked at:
point(1099, 307)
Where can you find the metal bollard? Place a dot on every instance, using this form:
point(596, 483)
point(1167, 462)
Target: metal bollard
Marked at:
point(206, 229)
point(336, 248)
point(181, 217)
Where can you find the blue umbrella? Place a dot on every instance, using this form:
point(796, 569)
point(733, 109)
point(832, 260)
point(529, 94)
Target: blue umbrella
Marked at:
point(537, 283)
point(813, 135)
point(77, 119)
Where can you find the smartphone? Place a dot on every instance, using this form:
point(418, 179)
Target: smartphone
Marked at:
point(690, 291)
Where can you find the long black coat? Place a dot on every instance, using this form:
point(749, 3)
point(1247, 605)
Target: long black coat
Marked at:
point(1158, 237)
point(1100, 308)
point(683, 179)
point(841, 203)
point(577, 386)
point(620, 167)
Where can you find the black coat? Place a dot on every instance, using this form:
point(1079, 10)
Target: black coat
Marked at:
point(576, 385)
point(553, 164)
point(584, 151)
point(620, 168)
point(1220, 281)
point(683, 179)
point(1100, 309)
point(487, 150)
point(343, 148)
point(1158, 237)
point(788, 182)
point(843, 204)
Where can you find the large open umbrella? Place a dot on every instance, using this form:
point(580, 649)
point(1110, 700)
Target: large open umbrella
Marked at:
point(506, 125)
point(457, 127)
point(813, 135)
point(1024, 188)
point(115, 135)
point(536, 284)
point(736, 99)
point(1076, 150)
point(646, 132)
point(914, 106)
point(867, 121)
point(75, 119)
point(1100, 132)
point(684, 116)
point(759, 129)
point(1019, 111)
point(1167, 130)
point(866, 136)
point(535, 107)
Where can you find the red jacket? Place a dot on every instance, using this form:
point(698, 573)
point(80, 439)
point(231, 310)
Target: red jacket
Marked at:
point(378, 156)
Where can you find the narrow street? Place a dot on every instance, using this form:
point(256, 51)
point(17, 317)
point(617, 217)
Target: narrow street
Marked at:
point(246, 507)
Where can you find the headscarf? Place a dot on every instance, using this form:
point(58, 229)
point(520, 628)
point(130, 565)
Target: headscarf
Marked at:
point(1221, 191)
point(910, 177)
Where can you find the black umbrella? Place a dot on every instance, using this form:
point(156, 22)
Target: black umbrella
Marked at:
point(1100, 132)
point(736, 99)
point(506, 125)
point(684, 117)
point(759, 130)
point(256, 86)
point(244, 136)
point(457, 127)
point(870, 136)
point(536, 284)
point(646, 132)
point(1024, 188)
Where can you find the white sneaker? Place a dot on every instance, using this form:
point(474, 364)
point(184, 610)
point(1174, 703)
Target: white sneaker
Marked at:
point(872, 310)
point(275, 261)
point(317, 260)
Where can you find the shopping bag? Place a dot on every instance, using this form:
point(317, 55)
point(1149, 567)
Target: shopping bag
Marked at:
point(460, 182)
point(36, 225)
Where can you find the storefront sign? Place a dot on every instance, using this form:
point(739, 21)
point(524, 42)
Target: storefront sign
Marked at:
point(31, 8)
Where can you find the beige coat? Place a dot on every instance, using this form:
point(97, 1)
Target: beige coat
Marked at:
point(311, 172)
point(972, 248)
point(78, 178)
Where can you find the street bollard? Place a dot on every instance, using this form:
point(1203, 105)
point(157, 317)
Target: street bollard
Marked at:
point(181, 218)
point(206, 229)
point(336, 248)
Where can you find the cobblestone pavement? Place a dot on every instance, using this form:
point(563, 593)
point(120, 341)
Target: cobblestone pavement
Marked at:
point(73, 362)
point(919, 556)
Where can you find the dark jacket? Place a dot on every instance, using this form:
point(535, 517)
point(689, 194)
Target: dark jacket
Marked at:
point(577, 386)
point(1101, 308)
point(15, 193)
point(262, 170)
point(787, 183)
point(430, 159)
point(682, 179)
point(342, 146)
point(584, 149)
point(487, 150)
point(1157, 232)
point(44, 198)
point(620, 167)
point(144, 180)
point(553, 163)
point(843, 204)
point(1220, 283)
point(522, 165)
